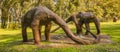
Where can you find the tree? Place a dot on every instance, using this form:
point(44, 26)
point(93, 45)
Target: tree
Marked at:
point(14, 9)
point(6, 4)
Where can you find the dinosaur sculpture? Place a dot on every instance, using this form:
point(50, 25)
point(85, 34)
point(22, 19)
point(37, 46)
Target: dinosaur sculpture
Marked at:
point(38, 16)
point(83, 18)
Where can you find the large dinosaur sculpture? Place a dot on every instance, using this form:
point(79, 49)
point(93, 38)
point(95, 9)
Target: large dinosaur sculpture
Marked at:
point(38, 16)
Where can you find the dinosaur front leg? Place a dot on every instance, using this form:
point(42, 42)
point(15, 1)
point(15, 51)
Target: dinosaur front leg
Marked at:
point(40, 27)
point(47, 31)
point(24, 33)
point(36, 34)
point(79, 28)
point(87, 26)
point(35, 29)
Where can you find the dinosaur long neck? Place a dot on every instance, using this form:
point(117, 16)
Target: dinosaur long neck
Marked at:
point(67, 30)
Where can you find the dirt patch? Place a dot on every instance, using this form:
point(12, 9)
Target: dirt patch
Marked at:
point(62, 40)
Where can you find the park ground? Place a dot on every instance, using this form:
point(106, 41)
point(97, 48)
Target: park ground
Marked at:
point(10, 41)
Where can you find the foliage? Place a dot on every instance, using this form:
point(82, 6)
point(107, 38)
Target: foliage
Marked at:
point(13, 10)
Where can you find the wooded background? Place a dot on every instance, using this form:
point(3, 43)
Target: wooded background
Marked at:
point(11, 11)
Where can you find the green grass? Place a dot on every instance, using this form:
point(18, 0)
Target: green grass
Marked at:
point(10, 41)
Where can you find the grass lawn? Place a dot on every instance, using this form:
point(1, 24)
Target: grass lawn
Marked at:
point(10, 41)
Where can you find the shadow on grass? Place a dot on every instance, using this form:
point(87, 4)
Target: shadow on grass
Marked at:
point(13, 43)
point(12, 40)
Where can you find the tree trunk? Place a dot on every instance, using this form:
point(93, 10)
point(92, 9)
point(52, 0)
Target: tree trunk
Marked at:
point(4, 18)
point(3, 23)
